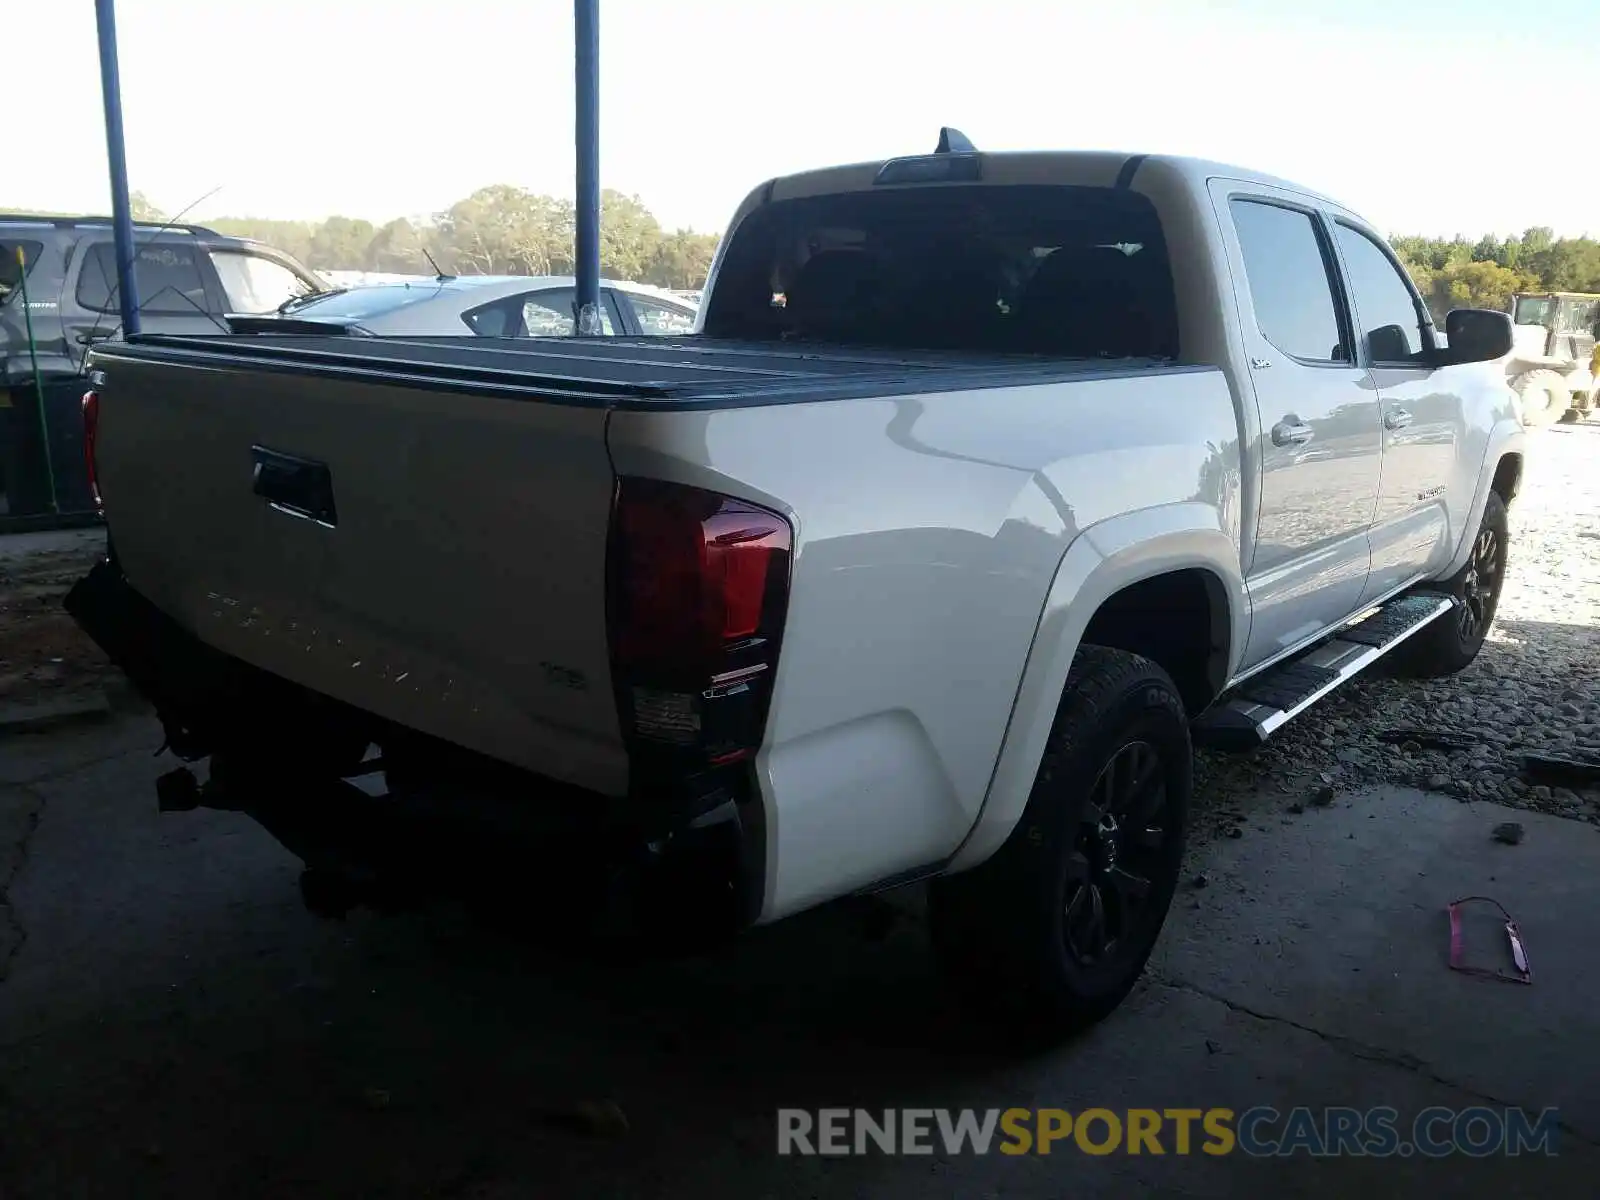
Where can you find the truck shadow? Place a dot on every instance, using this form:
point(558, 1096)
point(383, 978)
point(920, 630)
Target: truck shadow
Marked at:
point(248, 1048)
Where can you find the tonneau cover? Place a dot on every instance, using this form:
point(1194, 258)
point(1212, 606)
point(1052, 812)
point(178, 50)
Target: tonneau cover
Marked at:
point(634, 371)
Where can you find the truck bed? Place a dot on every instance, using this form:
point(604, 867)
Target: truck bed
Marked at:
point(418, 528)
point(639, 373)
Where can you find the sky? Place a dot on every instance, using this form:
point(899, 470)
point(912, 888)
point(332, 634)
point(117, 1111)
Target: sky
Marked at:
point(1416, 113)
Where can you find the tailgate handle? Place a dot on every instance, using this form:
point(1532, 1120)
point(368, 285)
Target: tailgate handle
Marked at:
point(297, 487)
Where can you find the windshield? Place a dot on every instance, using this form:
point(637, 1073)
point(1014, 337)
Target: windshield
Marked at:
point(255, 284)
point(1575, 316)
point(362, 303)
point(1532, 310)
point(1064, 271)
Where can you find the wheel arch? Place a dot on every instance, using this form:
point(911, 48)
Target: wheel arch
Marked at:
point(1112, 580)
point(1501, 473)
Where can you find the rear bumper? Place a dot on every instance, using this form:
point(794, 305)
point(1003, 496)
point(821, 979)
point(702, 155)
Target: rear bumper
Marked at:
point(195, 690)
point(491, 820)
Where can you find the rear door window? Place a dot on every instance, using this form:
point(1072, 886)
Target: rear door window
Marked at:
point(1289, 270)
point(167, 275)
point(1075, 272)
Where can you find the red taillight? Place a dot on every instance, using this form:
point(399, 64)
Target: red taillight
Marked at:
point(699, 584)
point(91, 429)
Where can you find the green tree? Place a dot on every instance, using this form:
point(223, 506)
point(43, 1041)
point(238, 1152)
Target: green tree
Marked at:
point(1567, 265)
point(629, 236)
point(507, 230)
point(396, 247)
point(682, 260)
point(1538, 238)
point(340, 244)
point(143, 210)
point(1475, 285)
point(1534, 261)
point(292, 237)
point(1415, 260)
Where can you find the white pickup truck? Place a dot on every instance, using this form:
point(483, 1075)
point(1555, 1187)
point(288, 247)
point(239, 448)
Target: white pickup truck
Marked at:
point(986, 486)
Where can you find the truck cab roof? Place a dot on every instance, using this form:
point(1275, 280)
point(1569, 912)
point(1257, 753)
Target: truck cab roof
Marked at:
point(1084, 168)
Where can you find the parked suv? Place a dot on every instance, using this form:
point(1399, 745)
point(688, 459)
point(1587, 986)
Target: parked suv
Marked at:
point(188, 276)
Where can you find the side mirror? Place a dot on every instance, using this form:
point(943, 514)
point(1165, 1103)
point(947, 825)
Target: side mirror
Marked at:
point(1476, 335)
point(1388, 343)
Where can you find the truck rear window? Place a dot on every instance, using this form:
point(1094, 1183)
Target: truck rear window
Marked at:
point(1051, 270)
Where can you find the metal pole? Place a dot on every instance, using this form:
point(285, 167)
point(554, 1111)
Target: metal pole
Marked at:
point(586, 31)
point(116, 156)
point(38, 382)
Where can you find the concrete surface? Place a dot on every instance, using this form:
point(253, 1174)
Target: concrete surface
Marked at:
point(51, 541)
point(174, 1024)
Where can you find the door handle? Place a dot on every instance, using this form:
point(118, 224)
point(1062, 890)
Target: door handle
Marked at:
point(1396, 418)
point(296, 487)
point(1291, 432)
point(89, 339)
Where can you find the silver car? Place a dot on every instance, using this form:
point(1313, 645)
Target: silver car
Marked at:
point(491, 306)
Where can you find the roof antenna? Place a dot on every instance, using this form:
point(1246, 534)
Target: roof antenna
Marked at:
point(439, 276)
point(953, 141)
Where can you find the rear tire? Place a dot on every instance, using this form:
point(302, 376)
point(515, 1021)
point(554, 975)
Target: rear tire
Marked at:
point(1452, 641)
point(1544, 397)
point(1051, 933)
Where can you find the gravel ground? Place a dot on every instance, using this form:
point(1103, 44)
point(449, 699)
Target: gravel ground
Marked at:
point(1534, 688)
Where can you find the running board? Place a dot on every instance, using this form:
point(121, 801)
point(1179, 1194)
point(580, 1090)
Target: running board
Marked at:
point(1258, 707)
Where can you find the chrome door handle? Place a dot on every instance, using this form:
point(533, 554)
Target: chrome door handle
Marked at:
point(1290, 432)
point(1396, 418)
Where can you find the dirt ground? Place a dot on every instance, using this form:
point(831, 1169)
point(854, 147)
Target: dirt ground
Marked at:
point(174, 1024)
point(42, 653)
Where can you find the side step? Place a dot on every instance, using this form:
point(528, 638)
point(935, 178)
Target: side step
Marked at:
point(1253, 711)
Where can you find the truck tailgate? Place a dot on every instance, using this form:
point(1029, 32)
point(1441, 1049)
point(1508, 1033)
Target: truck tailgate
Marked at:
point(452, 578)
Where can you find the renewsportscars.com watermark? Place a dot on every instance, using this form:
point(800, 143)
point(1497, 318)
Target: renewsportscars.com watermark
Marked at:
point(1260, 1132)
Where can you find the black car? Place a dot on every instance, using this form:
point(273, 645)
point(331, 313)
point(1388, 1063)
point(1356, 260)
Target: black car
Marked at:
point(188, 277)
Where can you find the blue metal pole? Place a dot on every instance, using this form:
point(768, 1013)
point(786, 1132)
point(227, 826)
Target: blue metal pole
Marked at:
point(116, 156)
point(586, 30)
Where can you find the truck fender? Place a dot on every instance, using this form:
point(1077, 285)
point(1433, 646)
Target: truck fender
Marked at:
point(1506, 437)
point(1100, 561)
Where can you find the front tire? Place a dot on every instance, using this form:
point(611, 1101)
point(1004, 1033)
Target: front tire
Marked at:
point(1452, 641)
point(1052, 932)
point(1543, 395)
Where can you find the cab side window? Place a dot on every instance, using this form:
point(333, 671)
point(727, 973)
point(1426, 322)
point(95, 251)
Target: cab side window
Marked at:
point(1291, 284)
point(1388, 313)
